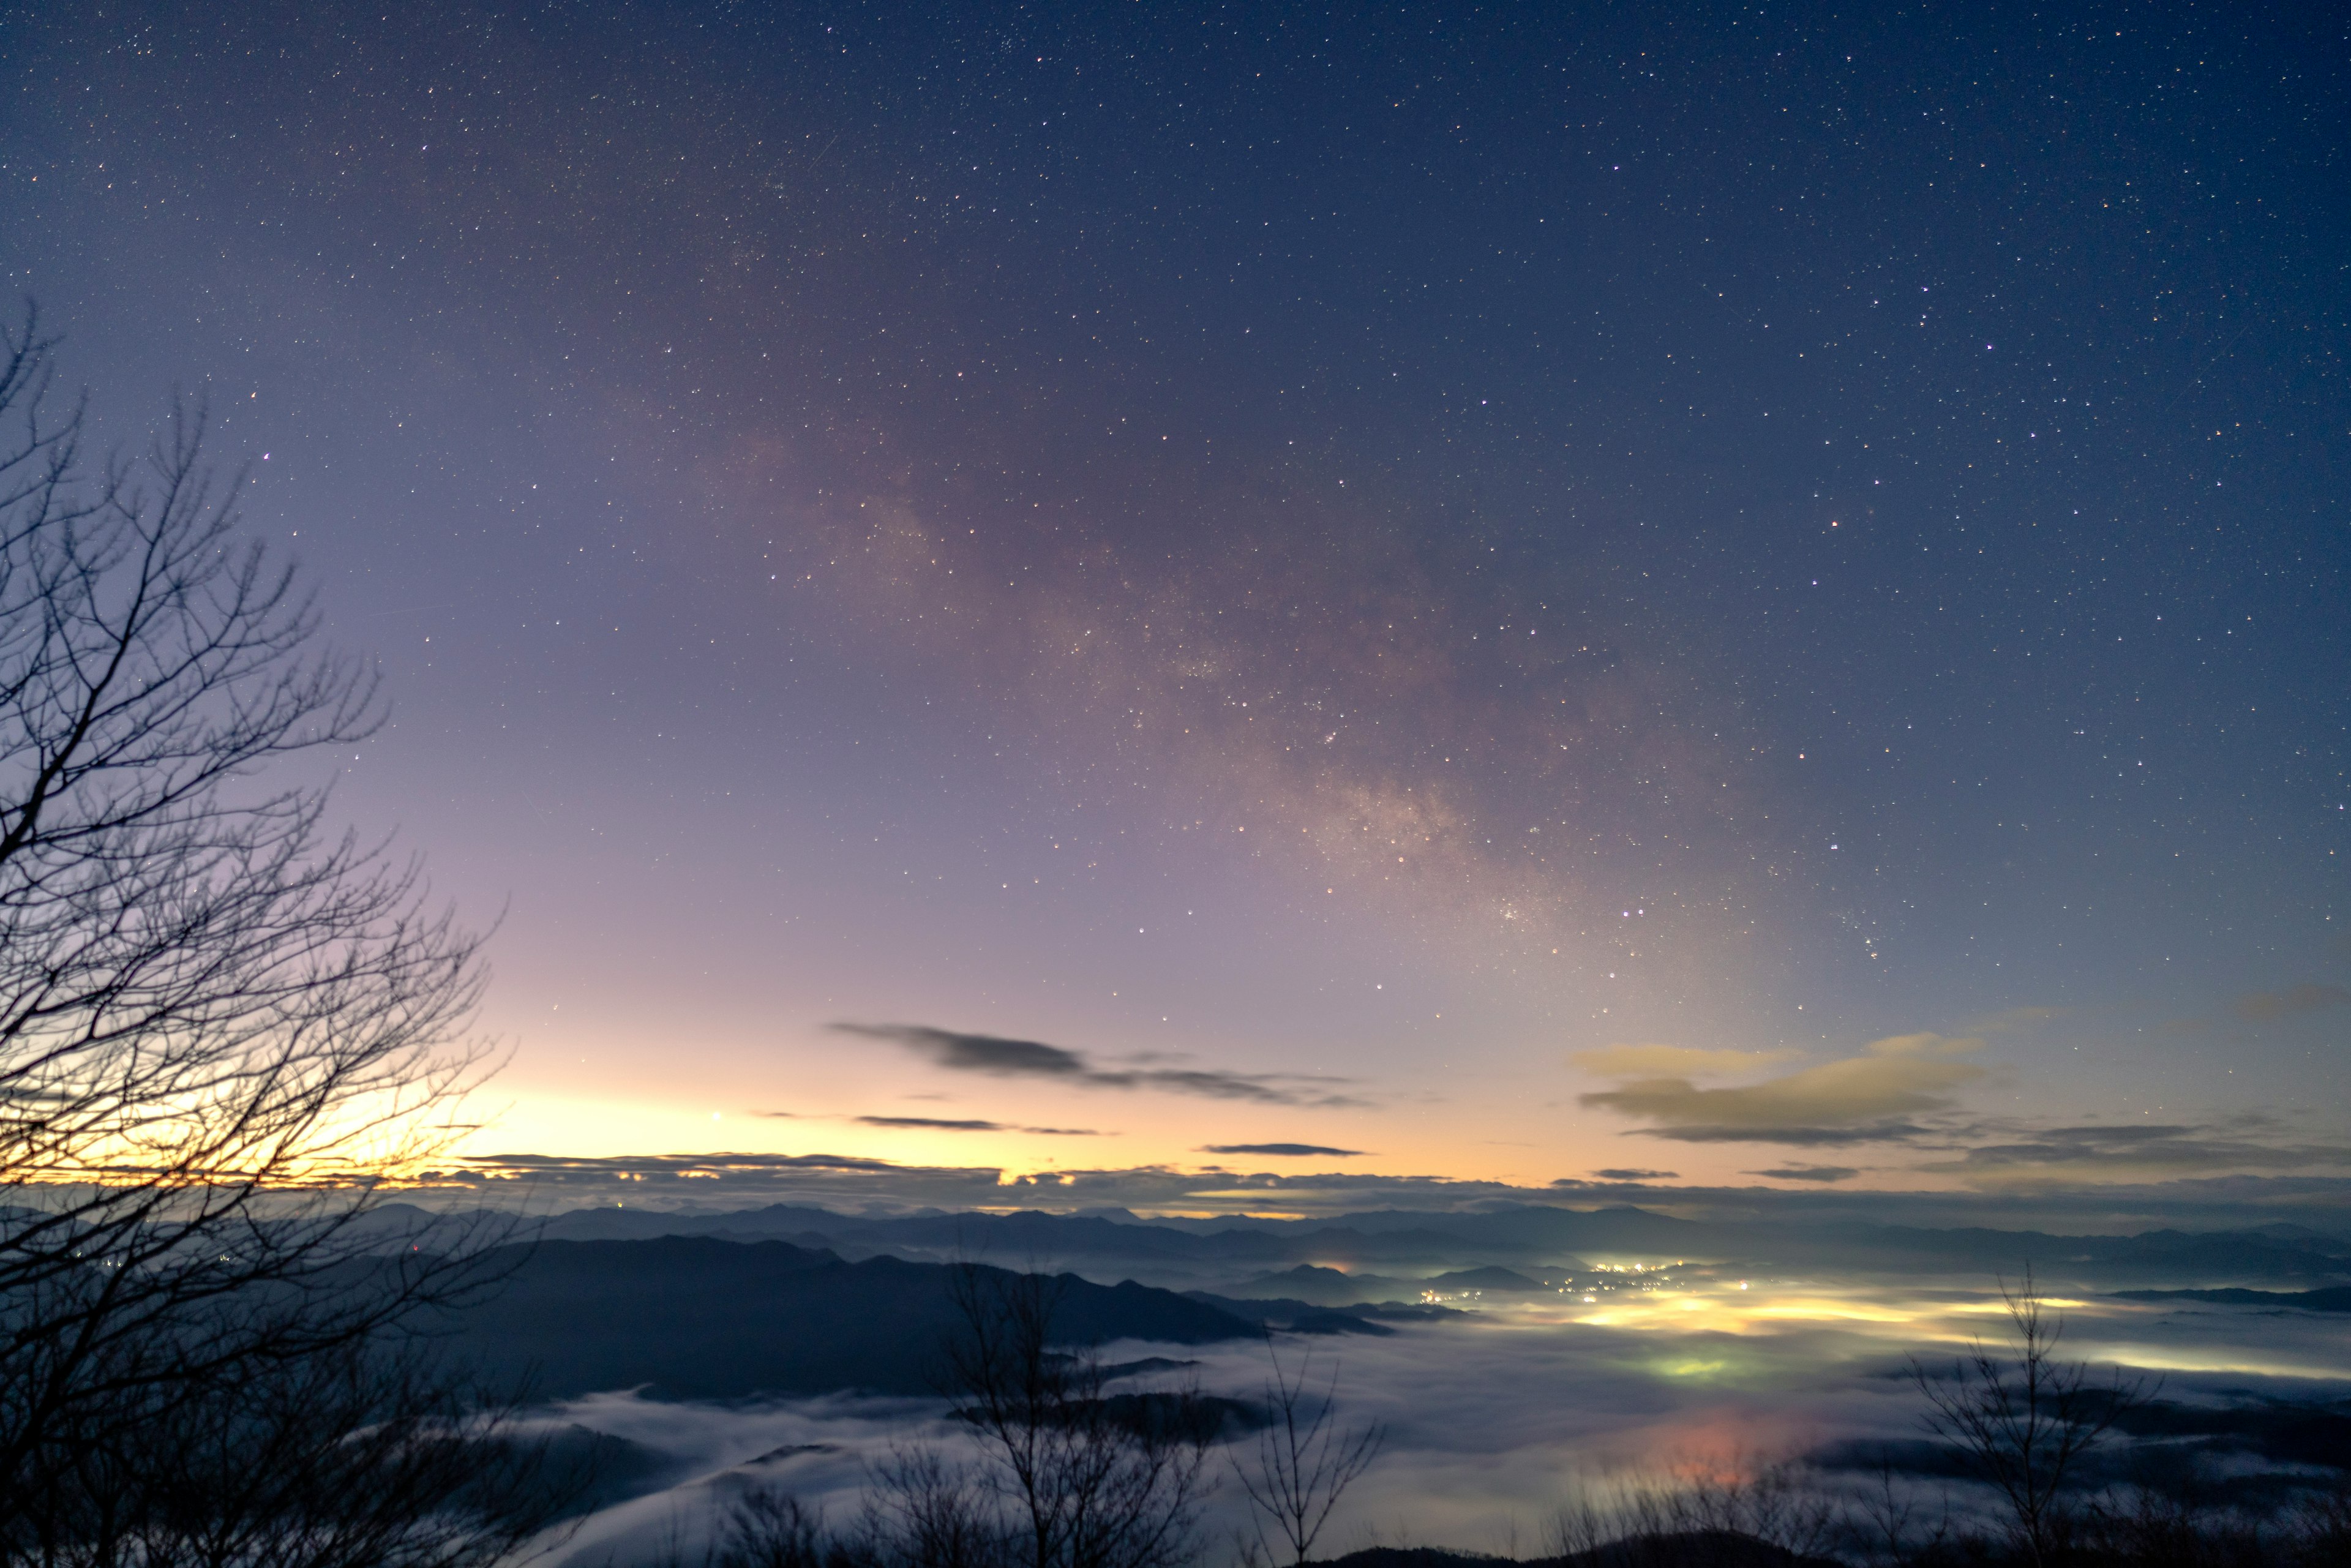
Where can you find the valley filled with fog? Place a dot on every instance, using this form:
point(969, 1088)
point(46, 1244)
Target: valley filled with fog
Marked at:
point(1517, 1360)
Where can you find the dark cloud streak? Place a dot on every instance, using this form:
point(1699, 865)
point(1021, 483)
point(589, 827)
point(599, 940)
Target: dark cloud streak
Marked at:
point(2007, 1154)
point(1001, 1057)
point(943, 1124)
point(1797, 1137)
point(1289, 1151)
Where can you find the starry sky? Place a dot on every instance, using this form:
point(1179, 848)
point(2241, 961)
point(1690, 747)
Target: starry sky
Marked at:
point(1616, 596)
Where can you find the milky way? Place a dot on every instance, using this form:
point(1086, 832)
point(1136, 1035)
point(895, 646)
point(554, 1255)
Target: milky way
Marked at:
point(1423, 555)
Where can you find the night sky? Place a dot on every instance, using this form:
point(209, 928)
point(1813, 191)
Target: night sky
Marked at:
point(1629, 595)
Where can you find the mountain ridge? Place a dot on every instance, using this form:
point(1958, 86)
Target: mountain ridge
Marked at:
point(700, 1317)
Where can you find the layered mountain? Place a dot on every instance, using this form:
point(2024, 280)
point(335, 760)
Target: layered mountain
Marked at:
point(1395, 1255)
point(700, 1317)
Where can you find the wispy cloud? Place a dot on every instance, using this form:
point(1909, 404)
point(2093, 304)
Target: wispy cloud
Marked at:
point(688, 1167)
point(2139, 1151)
point(1809, 1173)
point(2265, 1007)
point(1895, 1131)
point(1285, 1150)
point(1869, 1098)
point(943, 1124)
point(933, 1123)
point(1625, 1174)
point(1002, 1058)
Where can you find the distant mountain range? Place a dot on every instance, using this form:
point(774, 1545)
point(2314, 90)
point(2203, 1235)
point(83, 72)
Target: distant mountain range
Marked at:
point(1396, 1255)
point(720, 1306)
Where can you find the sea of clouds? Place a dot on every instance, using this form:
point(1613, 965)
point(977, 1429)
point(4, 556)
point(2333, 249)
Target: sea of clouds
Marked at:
point(1498, 1416)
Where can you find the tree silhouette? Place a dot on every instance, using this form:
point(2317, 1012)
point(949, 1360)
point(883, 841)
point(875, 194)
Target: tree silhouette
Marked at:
point(220, 1021)
point(1089, 1480)
point(359, 1454)
point(2023, 1421)
point(1303, 1464)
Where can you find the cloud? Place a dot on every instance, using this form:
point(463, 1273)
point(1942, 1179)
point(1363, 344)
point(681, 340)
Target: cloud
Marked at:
point(1479, 1434)
point(1282, 1149)
point(2049, 1180)
point(941, 1124)
point(2262, 1007)
point(1889, 1132)
point(1675, 1061)
point(2268, 1006)
point(1863, 1099)
point(849, 1184)
point(932, 1123)
point(2139, 1151)
point(977, 1052)
point(1809, 1173)
point(638, 1167)
point(1624, 1175)
point(1002, 1058)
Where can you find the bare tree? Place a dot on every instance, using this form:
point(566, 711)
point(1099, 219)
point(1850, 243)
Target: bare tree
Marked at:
point(925, 1513)
point(919, 1511)
point(768, 1528)
point(1068, 1474)
point(220, 1021)
point(1092, 1481)
point(1762, 1511)
point(363, 1454)
point(1879, 1521)
point(1776, 1503)
point(1303, 1463)
point(2319, 1528)
point(2024, 1421)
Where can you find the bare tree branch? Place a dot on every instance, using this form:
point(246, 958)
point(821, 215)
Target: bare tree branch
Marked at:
point(2023, 1421)
point(1091, 1483)
point(221, 1022)
point(357, 1455)
point(1304, 1464)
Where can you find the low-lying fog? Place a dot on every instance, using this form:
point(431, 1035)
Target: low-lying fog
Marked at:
point(1494, 1416)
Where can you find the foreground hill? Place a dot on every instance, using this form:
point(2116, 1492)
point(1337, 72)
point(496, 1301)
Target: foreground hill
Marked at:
point(1685, 1549)
point(697, 1318)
